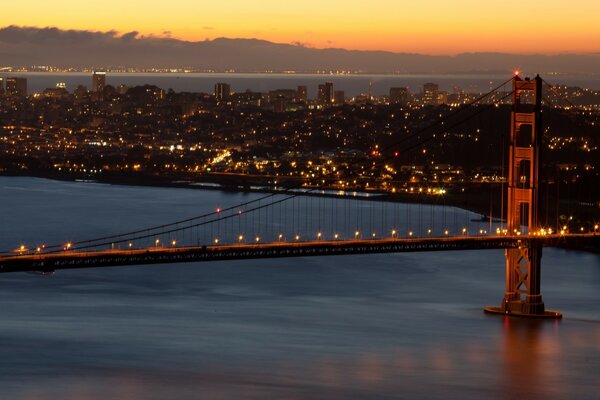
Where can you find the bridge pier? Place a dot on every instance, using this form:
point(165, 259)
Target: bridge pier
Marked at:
point(523, 264)
point(523, 297)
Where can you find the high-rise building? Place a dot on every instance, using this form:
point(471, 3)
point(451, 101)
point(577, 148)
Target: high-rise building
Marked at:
point(302, 93)
point(325, 95)
point(430, 93)
point(339, 97)
point(222, 91)
point(399, 95)
point(16, 86)
point(1, 85)
point(98, 81)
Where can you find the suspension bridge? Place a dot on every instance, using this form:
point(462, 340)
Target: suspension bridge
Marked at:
point(307, 220)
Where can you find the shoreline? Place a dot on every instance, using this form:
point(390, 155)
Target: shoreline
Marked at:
point(262, 184)
point(464, 201)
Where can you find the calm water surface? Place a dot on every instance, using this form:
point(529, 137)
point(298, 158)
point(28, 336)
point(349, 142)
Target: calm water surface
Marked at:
point(354, 327)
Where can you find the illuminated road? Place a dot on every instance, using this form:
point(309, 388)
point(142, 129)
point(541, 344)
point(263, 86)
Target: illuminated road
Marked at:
point(47, 262)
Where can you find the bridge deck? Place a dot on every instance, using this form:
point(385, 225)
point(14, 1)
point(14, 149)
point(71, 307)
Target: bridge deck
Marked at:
point(159, 255)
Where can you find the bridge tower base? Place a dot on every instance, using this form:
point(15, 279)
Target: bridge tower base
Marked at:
point(523, 297)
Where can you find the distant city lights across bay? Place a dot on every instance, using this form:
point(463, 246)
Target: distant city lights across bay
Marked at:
point(435, 27)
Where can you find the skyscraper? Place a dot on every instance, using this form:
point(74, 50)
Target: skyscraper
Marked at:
point(222, 91)
point(16, 86)
point(325, 95)
point(98, 81)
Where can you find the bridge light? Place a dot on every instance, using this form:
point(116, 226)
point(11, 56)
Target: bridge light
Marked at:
point(335, 236)
point(297, 237)
point(280, 236)
point(129, 244)
point(216, 240)
point(373, 235)
point(393, 233)
point(68, 245)
point(156, 242)
point(240, 238)
point(356, 234)
point(218, 210)
point(257, 239)
point(446, 232)
point(581, 229)
point(464, 230)
point(22, 248)
point(38, 249)
point(595, 227)
point(319, 235)
point(174, 242)
point(410, 233)
point(550, 231)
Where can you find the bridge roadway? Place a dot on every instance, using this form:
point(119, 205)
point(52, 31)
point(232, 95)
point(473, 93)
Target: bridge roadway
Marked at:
point(48, 262)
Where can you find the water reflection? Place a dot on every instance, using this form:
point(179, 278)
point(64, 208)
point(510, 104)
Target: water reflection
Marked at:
point(358, 327)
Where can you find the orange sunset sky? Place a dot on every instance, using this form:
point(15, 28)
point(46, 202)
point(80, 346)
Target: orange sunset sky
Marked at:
point(429, 27)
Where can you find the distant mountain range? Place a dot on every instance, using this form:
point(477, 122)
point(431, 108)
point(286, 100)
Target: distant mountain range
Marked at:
point(27, 46)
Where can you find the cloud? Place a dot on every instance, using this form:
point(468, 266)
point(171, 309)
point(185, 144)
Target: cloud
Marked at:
point(16, 34)
point(129, 36)
point(26, 46)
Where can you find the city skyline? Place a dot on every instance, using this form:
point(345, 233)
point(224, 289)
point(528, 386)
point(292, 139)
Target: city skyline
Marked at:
point(435, 27)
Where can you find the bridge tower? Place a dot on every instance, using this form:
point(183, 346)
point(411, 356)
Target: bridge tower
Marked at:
point(523, 264)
